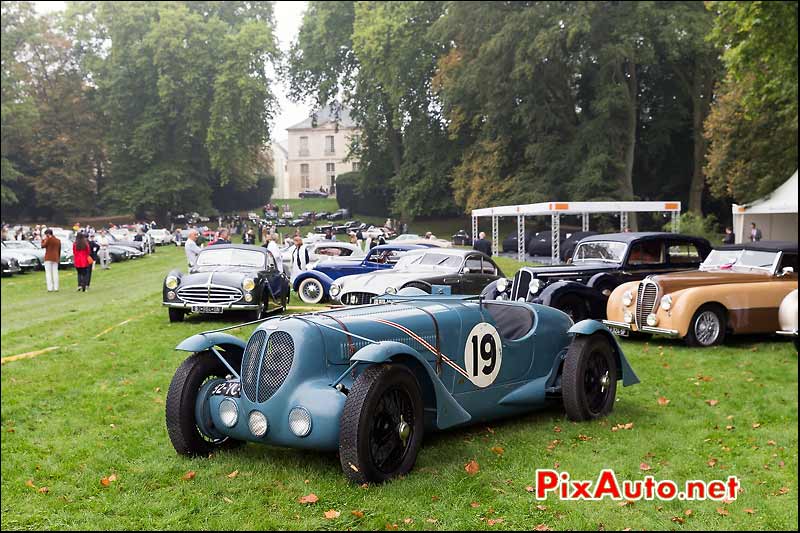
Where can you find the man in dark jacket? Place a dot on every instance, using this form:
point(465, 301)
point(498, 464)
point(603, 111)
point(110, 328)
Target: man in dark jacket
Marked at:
point(222, 237)
point(482, 245)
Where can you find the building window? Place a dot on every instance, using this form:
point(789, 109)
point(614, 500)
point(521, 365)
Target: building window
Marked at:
point(356, 166)
point(330, 172)
point(305, 180)
point(303, 146)
point(330, 148)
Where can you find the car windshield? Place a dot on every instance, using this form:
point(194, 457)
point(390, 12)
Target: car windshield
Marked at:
point(230, 257)
point(430, 260)
point(605, 251)
point(739, 260)
point(407, 237)
point(20, 244)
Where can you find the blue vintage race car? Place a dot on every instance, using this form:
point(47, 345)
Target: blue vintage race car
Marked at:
point(314, 285)
point(369, 381)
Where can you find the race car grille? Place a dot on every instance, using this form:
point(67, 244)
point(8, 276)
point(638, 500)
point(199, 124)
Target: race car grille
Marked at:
point(357, 298)
point(519, 287)
point(646, 298)
point(275, 365)
point(252, 355)
point(209, 294)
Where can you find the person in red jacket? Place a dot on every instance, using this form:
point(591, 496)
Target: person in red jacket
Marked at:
point(81, 252)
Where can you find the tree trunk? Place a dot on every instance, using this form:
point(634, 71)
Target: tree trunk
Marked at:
point(630, 144)
point(701, 103)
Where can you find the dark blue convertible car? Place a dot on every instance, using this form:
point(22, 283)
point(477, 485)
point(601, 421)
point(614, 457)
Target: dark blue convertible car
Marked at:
point(314, 286)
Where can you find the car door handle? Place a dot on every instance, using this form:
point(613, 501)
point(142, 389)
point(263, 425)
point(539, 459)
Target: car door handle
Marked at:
point(451, 280)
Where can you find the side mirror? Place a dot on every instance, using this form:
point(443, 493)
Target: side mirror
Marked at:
point(466, 270)
point(786, 270)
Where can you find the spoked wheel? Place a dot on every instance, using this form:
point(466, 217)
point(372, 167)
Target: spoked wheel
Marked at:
point(194, 379)
point(381, 425)
point(707, 327)
point(589, 379)
point(311, 291)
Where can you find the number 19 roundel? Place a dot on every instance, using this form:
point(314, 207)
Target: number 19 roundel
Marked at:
point(483, 354)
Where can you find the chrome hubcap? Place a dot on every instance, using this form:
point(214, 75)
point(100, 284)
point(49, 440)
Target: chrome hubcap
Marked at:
point(604, 382)
point(706, 328)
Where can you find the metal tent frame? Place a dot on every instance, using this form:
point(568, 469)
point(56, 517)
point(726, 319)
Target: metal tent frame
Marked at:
point(556, 209)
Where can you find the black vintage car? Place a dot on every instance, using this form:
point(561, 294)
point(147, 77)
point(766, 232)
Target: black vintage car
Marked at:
point(600, 263)
point(227, 277)
point(461, 238)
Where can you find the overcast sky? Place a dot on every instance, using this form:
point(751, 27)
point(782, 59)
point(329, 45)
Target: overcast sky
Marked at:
point(288, 16)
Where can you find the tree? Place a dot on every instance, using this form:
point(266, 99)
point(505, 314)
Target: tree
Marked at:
point(752, 127)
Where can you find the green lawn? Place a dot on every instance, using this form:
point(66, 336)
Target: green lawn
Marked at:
point(93, 407)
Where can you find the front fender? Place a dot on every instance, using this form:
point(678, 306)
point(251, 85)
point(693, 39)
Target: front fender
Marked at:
point(590, 327)
point(448, 411)
point(323, 278)
point(553, 292)
point(204, 341)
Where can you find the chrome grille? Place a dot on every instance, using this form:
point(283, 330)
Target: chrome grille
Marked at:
point(209, 294)
point(519, 287)
point(646, 297)
point(275, 365)
point(252, 355)
point(357, 298)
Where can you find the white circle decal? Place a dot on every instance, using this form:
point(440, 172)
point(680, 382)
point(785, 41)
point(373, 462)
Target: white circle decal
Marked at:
point(483, 354)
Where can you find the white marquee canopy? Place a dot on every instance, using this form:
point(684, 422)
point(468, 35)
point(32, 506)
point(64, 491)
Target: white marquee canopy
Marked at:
point(775, 214)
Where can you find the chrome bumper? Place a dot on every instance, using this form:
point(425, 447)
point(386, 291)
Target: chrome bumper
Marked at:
point(228, 307)
point(643, 329)
point(787, 333)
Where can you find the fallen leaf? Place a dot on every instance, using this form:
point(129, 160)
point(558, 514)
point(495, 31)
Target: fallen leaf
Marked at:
point(712, 403)
point(472, 467)
point(750, 511)
point(431, 520)
point(390, 527)
point(541, 507)
point(553, 444)
point(357, 514)
point(644, 467)
point(493, 521)
point(677, 520)
point(556, 429)
point(434, 498)
point(772, 443)
point(308, 498)
point(226, 499)
point(662, 400)
point(729, 428)
point(44, 490)
point(782, 491)
point(529, 488)
point(189, 475)
point(542, 527)
point(474, 505)
point(112, 477)
point(30, 484)
point(105, 482)
point(233, 474)
point(756, 425)
point(498, 450)
point(688, 512)
point(330, 514)
point(158, 389)
point(408, 520)
point(722, 511)
point(712, 462)
point(727, 501)
point(584, 437)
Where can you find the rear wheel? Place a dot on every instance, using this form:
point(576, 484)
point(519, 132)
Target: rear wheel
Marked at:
point(707, 327)
point(176, 315)
point(381, 425)
point(311, 291)
point(188, 435)
point(573, 306)
point(589, 379)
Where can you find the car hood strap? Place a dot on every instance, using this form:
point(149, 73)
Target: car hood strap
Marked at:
point(342, 325)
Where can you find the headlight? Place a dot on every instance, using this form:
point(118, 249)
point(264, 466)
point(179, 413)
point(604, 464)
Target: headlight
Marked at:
point(627, 298)
point(229, 412)
point(335, 290)
point(258, 424)
point(171, 282)
point(248, 297)
point(535, 285)
point(628, 317)
point(502, 285)
point(300, 421)
point(391, 290)
point(171, 295)
point(666, 302)
point(248, 284)
point(652, 320)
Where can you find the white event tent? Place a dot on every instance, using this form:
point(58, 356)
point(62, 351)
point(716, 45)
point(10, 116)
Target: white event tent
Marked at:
point(775, 214)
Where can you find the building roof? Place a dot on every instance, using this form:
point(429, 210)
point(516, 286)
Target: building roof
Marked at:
point(781, 200)
point(327, 115)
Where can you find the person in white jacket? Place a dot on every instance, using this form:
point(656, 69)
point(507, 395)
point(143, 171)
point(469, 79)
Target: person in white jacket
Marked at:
point(275, 250)
point(300, 258)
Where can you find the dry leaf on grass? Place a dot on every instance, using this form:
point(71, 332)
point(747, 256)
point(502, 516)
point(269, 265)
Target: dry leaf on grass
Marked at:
point(44, 490)
point(233, 474)
point(750, 511)
point(782, 491)
point(357, 514)
point(226, 499)
point(30, 484)
point(662, 400)
point(756, 425)
point(498, 450)
point(712, 462)
point(542, 527)
point(308, 498)
point(677, 520)
point(408, 521)
point(493, 521)
point(529, 488)
point(472, 467)
point(644, 467)
point(688, 512)
point(391, 527)
point(330, 514)
point(722, 511)
point(474, 505)
point(541, 507)
point(712, 403)
point(189, 475)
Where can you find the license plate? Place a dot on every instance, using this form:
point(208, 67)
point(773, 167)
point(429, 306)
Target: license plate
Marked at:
point(229, 388)
point(207, 309)
point(619, 332)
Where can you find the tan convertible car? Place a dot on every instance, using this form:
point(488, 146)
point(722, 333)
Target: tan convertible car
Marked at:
point(737, 289)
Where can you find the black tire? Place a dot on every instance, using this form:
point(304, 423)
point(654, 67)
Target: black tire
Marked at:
point(368, 416)
point(585, 394)
point(573, 306)
point(707, 327)
point(176, 315)
point(185, 435)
